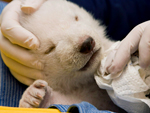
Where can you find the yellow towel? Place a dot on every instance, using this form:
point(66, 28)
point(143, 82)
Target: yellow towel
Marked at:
point(27, 110)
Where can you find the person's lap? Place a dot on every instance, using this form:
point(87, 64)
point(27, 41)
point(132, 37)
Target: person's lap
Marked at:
point(10, 89)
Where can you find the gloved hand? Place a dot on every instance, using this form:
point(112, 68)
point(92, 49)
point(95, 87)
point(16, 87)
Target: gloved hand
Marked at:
point(17, 40)
point(137, 39)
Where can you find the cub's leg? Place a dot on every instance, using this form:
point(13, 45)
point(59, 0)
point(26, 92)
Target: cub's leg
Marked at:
point(34, 96)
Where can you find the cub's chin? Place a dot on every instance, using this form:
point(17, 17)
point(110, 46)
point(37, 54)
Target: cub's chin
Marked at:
point(92, 62)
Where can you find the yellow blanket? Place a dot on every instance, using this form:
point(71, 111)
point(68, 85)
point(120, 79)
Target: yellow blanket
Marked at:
point(27, 110)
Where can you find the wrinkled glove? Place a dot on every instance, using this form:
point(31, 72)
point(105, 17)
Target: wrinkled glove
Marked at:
point(24, 67)
point(137, 40)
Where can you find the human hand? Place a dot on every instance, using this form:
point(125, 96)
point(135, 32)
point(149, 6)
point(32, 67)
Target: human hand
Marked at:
point(17, 40)
point(137, 39)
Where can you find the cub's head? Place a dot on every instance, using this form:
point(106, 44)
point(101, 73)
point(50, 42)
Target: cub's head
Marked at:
point(71, 41)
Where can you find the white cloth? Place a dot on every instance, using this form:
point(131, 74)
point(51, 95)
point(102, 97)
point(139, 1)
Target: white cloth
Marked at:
point(129, 88)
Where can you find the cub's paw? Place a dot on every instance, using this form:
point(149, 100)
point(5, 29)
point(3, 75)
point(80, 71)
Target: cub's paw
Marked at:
point(34, 94)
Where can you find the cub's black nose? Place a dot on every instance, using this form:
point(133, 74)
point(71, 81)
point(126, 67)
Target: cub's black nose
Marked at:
point(87, 46)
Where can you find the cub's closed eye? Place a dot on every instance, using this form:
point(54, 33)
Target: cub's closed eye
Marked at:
point(49, 49)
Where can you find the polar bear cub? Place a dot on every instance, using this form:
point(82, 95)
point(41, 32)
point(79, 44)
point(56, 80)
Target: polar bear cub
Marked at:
point(71, 47)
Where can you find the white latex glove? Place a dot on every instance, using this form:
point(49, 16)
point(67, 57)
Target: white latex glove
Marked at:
point(137, 39)
point(14, 47)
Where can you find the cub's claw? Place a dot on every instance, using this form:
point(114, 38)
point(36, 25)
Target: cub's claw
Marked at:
point(34, 94)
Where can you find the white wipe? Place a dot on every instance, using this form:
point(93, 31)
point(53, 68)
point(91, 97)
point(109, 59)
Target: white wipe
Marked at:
point(129, 88)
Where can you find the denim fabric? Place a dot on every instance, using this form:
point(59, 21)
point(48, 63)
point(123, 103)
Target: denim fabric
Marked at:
point(10, 89)
point(2, 5)
point(83, 107)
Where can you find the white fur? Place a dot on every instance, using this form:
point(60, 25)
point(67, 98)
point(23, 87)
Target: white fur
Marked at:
point(56, 27)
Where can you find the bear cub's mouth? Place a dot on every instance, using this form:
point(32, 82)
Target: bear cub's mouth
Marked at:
point(90, 61)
